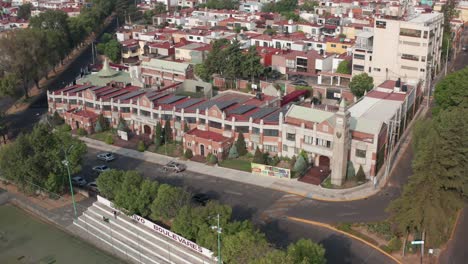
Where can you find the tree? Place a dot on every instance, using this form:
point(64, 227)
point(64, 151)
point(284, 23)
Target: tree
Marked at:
point(251, 65)
point(36, 158)
point(309, 5)
point(232, 57)
point(122, 126)
point(274, 257)
point(300, 165)
point(103, 122)
point(360, 84)
point(112, 50)
point(4, 127)
point(360, 175)
point(109, 139)
point(202, 72)
point(233, 154)
point(98, 127)
point(258, 157)
point(141, 146)
point(148, 193)
point(159, 8)
point(148, 17)
point(305, 251)
point(213, 159)
point(241, 145)
point(186, 127)
point(168, 202)
point(9, 86)
point(188, 154)
point(127, 194)
point(452, 91)
point(167, 132)
point(244, 246)
point(350, 172)
point(344, 67)
point(109, 183)
point(158, 135)
point(281, 6)
point(24, 11)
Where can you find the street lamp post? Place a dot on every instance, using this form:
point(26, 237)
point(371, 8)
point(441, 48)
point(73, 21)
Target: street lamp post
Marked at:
point(67, 164)
point(218, 230)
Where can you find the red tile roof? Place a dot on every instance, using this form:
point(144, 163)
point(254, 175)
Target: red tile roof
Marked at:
point(207, 135)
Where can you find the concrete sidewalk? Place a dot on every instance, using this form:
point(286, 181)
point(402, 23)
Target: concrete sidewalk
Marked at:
point(286, 185)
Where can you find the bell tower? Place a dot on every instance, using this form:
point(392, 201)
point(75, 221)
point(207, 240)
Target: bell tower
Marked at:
point(341, 145)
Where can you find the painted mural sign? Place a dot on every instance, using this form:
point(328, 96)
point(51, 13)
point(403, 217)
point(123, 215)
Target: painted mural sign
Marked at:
point(272, 171)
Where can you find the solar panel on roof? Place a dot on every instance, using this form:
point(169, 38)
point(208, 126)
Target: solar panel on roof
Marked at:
point(120, 93)
point(242, 109)
point(205, 105)
point(96, 88)
point(224, 104)
point(172, 99)
point(158, 96)
point(263, 112)
point(130, 95)
point(189, 103)
point(78, 89)
point(275, 116)
point(109, 92)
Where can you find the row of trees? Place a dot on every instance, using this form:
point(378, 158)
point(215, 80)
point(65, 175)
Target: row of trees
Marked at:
point(439, 185)
point(221, 4)
point(230, 61)
point(241, 242)
point(27, 55)
point(110, 47)
point(37, 159)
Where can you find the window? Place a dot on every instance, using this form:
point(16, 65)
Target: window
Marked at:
point(301, 62)
point(309, 140)
point(290, 136)
point(270, 132)
point(380, 24)
point(409, 57)
point(422, 70)
point(270, 148)
point(202, 121)
point(198, 38)
point(166, 117)
point(190, 37)
point(423, 58)
point(323, 142)
point(215, 124)
point(190, 120)
point(135, 111)
point(255, 130)
point(243, 129)
point(344, 46)
point(359, 56)
point(377, 69)
point(285, 147)
point(144, 113)
point(409, 68)
point(358, 67)
point(125, 109)
point(360, 153)
point(370, 58)
point(410, 32)
point(370, 69)
point(227, 127)
point(319, 45)
point(87, 104)
point(333, 45)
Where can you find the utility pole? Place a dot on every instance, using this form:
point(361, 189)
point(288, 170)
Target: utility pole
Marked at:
point(422, 246)
point(67, 164)
point(218, 230)
point(429, 86)
point(446, 56)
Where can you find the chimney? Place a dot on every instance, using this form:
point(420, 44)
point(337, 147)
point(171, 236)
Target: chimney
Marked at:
point(397, 86)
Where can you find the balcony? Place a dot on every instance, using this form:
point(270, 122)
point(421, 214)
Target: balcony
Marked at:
point(317, 149)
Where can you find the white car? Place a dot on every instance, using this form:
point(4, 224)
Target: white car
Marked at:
point(106, 156)
point(93, 186)
point(174, 166)
point(101, 168)
point(78, 181)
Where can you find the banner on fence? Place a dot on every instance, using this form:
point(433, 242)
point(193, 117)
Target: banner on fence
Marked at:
point(272, 171)
point(162, 231)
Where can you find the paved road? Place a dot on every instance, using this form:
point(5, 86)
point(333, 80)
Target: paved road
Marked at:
point(265, 207)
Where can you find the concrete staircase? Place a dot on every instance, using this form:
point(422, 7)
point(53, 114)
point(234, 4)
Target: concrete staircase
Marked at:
point(134, 241)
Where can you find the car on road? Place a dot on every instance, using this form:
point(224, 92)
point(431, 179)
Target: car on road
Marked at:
point(78, 181)
point(201, 198)
point(300, 82)
point(106, 156)
point(101, 168)
point(465, 48)
point(93, 186)
point(174, 166)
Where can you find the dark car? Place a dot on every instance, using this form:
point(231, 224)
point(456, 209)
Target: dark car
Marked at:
point(300, 82)
point(201, 198)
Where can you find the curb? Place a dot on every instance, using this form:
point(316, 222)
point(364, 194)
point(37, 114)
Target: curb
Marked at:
point(327, 226)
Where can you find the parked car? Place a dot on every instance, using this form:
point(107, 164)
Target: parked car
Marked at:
point(106, 156)
point(93, 186)
point(78, 181)
point(101, 168)
point(465, 48)
point(295, 78)
point(300, 82)
point(174, 166)
point(201, 198)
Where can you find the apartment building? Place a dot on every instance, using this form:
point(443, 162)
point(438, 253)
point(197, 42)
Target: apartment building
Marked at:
point(407, 48)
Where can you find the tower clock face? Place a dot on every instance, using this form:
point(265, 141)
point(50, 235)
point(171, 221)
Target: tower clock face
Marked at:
point(339, 121)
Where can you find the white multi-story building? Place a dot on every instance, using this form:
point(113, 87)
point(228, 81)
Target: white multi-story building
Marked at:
point(408, 49)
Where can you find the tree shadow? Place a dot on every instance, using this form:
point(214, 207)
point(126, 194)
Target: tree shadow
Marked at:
point(338, 249)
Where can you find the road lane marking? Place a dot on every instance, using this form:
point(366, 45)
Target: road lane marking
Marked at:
point(327, 226)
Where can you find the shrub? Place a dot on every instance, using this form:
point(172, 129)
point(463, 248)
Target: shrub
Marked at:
point(300, 165)
point(350, 172)
point(188, 154)
point(394, 244)
point(361, 176)
point(141, 146)
point(81, 132)
point(258, 157)
point(109, 139)
point(213, 159)
point(292, 162)
point(64, 128)
point(98, 127)
point(233, 152)
point(240, 144)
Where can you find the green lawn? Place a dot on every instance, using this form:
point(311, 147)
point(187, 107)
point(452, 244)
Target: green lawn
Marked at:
point(171, 149)
point(100, 136)
point(237, 164)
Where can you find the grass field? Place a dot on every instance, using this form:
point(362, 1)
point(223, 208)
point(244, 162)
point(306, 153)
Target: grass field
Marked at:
point(237, 164)
point(24, 239)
